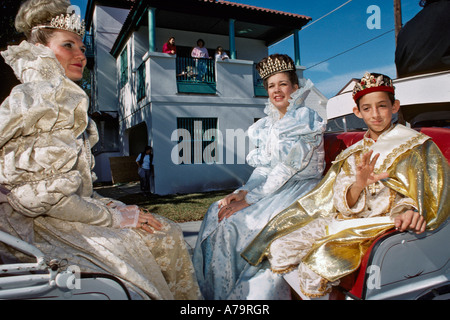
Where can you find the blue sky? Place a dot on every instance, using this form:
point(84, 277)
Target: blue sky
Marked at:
point(336, 33)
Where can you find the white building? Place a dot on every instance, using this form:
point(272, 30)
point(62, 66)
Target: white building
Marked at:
point(196, 124)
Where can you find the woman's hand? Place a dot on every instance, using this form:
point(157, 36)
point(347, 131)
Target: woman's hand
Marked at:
point(231, 204)
point(147, 221)
point(238, 196)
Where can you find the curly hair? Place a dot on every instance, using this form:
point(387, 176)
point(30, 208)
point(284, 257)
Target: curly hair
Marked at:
point(38, 12)
point(282, 57)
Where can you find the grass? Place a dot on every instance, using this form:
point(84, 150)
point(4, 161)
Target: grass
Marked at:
point(177, 207)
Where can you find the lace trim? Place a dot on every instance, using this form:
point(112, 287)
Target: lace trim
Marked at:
point(285, 270)
point(387, 162)
point(417, 140)
point(322, 289)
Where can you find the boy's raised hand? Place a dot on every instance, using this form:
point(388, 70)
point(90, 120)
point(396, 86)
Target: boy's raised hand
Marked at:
point(364, 177)
point(364, 171)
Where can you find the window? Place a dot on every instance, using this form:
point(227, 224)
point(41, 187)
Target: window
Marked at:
point(124, 67)
point(197, 140)
point(108, 130)
point(141, 82)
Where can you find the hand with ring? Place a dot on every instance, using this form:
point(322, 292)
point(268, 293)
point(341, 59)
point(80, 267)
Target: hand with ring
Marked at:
point(230, 209)
point(148, 222)
point(235, 196)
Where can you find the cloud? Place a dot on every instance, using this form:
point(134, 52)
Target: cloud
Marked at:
point(332, 85)
point(322, 67)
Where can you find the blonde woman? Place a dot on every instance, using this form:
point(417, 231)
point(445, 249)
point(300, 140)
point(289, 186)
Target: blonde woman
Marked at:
point(47, 196)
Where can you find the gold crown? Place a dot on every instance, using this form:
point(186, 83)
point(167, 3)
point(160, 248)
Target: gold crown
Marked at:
point(372, 82)
point(272, 66)
point(68, 22)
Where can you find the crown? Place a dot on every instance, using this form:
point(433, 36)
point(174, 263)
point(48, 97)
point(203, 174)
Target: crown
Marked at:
point(272, 66)
point(372, 82)
point(68, 22)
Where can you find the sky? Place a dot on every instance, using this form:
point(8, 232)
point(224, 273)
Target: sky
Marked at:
point(345, 38)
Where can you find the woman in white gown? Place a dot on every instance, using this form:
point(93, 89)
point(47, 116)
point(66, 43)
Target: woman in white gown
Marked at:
point(288, 161)
point(46, 192)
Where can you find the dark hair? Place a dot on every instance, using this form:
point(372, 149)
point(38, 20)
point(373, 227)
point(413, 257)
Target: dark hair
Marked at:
point(283, 57)
point(390, 95)
point(144, 153)
point(201, 41)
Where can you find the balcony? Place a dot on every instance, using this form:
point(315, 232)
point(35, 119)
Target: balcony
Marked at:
point(196, 75)
point(163, 76)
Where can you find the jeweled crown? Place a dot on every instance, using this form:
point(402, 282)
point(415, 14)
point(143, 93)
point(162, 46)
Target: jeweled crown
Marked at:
point(68, 22)
point(272, 66)
point(372, 82)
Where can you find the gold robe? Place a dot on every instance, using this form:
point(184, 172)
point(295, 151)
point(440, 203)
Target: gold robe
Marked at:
point(417, 169)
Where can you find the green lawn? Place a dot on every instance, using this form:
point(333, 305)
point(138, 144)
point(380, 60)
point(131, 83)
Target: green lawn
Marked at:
point(177, 207)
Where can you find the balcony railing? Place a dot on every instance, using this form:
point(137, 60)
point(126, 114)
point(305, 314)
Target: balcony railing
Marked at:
point(196, 75)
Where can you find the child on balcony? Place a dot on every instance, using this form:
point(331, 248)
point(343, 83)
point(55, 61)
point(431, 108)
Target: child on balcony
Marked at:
point(221, 54)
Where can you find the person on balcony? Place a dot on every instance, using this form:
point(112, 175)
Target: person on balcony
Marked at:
point(288, 162)
point(221, 55)
point(200, 53)
point(170, 47)
point(46, 178)
point(394, 177)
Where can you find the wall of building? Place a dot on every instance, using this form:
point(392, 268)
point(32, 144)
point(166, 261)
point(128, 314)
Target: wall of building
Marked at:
point(230, 171)
point(234, 105)
point(107, 23)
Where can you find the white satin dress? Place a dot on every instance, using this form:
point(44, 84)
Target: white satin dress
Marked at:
point(47, 196)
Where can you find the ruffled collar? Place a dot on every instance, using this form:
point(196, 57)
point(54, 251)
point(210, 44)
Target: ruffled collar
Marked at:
point(38, 66)
point(296, 101)
point(33, 62)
